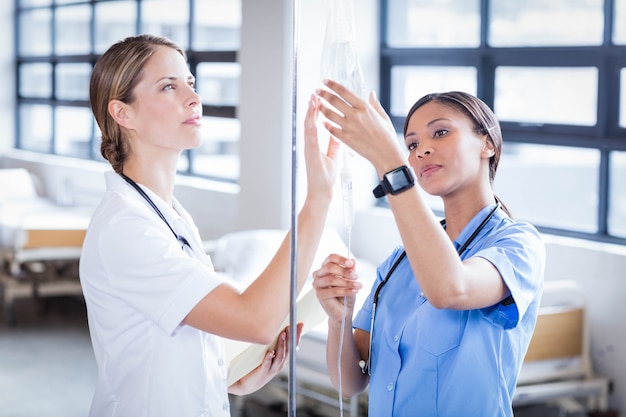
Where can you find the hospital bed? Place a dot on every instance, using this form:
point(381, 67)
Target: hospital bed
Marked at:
point(40, 241)
point(557, 367)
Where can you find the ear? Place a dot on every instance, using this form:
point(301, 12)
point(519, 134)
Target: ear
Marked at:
point(488, 148)
point(121, 113)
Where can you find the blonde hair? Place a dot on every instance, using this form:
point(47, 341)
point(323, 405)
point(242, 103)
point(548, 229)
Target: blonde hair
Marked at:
point(114, 77)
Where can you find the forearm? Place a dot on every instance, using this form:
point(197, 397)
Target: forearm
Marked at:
point(268, 298)
point(311, 224)
point(434, 261)
point(263, 306)
point(353, 381)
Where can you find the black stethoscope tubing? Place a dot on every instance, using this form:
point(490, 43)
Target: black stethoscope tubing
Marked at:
point(142, 193)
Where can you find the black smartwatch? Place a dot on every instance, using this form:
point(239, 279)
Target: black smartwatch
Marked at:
point(395, 181)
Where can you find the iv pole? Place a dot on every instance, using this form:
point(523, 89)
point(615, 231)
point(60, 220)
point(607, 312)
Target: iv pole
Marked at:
point(291, 405)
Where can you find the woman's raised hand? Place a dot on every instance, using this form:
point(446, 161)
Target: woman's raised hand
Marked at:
point(362, 125)
point(335, 280)
point(321, 169)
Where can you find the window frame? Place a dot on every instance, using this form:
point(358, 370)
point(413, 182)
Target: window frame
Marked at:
point(195, 58)
point(606, 136)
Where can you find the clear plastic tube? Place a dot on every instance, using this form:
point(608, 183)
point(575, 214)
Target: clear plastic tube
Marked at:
point(340, 58)
point(340, 62)
point(348, 222)
point(346, 194)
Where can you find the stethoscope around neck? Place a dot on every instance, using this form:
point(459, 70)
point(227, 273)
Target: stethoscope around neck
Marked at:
point(184, 242)
point(367, 365)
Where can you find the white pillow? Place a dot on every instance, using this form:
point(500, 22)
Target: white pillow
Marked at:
point(17, 184)
point(243, 255)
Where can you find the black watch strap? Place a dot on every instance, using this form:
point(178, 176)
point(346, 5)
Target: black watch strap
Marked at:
point(395, 181)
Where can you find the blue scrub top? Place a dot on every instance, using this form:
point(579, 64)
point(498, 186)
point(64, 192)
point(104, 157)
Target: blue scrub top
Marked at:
point(439, 362)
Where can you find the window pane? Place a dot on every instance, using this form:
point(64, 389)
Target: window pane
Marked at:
point(35, 80)
point(183, 162)
point(35, 27)
point(82, 28)
point(409, 83)
point(619, 25)
point(73, 131)
point(114, 21)
point(97, 141)
point(26, 3)
point(72, 81)
point(218, 83)
point(551, 186)
point(622, 97)
point(543, 23)
point(617, 209)
point(545, 95)
point(216, 25)
point(160, 18)
point(35, 127)
point(427, 24)
point(72, 30)
point(218, 156)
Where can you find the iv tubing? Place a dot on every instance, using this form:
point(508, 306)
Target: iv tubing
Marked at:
point(348, 221)
point(343, 328)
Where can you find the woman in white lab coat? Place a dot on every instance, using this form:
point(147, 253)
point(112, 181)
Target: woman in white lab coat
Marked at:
point(156, 309)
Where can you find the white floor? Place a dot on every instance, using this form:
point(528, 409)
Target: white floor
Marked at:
point(47, 367)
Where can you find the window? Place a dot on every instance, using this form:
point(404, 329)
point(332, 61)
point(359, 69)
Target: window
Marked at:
point(557, 90)
point(617, 207)
point(58, 42)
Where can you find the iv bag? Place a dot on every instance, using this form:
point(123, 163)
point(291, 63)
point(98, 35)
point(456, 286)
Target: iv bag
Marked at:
point(340, 60)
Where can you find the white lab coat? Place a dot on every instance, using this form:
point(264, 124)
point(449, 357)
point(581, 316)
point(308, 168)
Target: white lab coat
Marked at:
point(139, 284)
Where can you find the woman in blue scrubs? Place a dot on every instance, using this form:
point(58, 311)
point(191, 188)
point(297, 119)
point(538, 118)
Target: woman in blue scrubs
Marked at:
point(449, 318)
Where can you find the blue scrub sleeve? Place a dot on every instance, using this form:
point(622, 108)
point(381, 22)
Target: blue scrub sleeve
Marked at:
point(518, 254)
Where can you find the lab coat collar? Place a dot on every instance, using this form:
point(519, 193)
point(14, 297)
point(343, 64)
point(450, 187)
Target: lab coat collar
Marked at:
point(176, 215)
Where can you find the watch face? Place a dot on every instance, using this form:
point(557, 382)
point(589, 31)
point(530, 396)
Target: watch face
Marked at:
point(395, 182)
point(397, 179)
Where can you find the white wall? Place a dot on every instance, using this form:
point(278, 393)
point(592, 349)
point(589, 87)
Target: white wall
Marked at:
point(265, 109)
point(600, 269)
point(263, 198)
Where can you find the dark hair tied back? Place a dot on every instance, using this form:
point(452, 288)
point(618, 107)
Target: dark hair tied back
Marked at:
point(478, 113)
